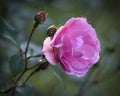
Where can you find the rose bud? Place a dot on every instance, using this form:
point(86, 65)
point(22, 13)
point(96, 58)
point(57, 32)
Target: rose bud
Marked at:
point(40, 17)
point(51, 30)
point(75, 46)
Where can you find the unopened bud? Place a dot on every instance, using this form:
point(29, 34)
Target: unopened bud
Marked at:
point(44, 64)
point(40, 17)
point(51, 30)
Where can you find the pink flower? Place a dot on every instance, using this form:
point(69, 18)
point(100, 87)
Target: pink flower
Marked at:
point(40, 17)
point(75, 45)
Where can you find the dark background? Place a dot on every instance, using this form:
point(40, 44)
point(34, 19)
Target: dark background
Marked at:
point(103, 79)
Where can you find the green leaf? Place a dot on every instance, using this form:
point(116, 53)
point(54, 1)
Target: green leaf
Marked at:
point(16, 64)
point(8, 32)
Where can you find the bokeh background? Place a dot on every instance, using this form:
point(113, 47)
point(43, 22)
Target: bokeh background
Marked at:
point(103, 79)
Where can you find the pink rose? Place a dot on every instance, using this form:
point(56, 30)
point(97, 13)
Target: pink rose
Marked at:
point(75, 45)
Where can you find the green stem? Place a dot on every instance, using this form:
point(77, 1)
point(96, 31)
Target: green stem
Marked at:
point(36, 56)
point(32, 73)
point(33, 66)
point(20, 76)
point(28, 42)
point(7, 89)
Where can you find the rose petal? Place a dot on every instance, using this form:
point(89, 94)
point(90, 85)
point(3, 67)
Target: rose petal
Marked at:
point(49, 52)
point(88, 51)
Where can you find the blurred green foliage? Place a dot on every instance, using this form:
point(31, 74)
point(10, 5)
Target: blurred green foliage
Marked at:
point(102, 80)
point(16, 64)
